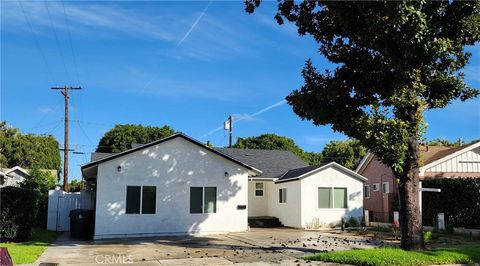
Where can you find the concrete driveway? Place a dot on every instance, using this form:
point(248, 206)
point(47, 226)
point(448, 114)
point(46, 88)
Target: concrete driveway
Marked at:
point(258, 247)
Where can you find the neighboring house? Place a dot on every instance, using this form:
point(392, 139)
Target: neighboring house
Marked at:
point(381, 191)
point(13, 176)
point(178, 185)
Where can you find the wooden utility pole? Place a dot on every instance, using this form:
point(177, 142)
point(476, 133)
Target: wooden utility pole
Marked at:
point(65, 90)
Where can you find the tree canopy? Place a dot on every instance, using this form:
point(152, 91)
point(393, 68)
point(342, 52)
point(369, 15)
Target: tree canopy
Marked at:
point(393, 60)
point(276, 142)
point(347, 153)
point(27, 150)
point(121, 137)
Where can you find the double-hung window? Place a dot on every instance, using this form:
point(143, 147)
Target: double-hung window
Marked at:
point(203, 199)
point(332, 198)
point(376, 187)
point(141, 199)
point(259, 189)
point(282, 195)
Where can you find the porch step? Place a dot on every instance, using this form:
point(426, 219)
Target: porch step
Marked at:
point(264, 221)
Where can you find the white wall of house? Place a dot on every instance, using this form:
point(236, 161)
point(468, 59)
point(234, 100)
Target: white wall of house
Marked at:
point(258, 205)
point(289, 213)
point(173, 167)
point(466, 162)
point(330, 177)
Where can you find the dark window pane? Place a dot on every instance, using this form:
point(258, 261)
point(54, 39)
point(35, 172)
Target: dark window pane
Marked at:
point(133, 199)
point(196, 194)
point(149, 196)
point(210, 200)
point(259, 192)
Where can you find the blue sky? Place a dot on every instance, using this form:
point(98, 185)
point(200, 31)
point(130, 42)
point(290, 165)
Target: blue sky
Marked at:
point(185, 64)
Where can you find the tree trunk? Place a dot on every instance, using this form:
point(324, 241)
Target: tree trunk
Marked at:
point(410, 215)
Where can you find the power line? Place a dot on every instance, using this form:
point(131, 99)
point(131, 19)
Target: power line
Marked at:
point(71, 44)
point(57, 42)
point(37, 44)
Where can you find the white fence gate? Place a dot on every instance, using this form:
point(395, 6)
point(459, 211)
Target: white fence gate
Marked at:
point(60, 204)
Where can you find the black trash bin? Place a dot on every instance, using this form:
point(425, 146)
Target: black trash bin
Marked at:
point(81, 224)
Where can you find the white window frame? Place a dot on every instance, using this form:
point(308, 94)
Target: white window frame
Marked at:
point(260, 189)
point(368, 189)
point(280, 198)
point(388, 187)
point(332, 198)
point(376, 185)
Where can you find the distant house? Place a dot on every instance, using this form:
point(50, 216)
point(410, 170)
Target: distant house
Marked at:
point(13, 176)
point(381, 191)
point(178, 185)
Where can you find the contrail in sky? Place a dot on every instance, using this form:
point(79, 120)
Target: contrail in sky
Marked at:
point(282, 102)
point(194, 24)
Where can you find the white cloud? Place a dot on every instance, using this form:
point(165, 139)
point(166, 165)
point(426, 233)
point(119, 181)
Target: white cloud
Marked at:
point(46, 110)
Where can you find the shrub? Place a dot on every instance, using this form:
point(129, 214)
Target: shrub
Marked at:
point(353, 222)
point(449, 229)
point(427, 235)
point(17, 215)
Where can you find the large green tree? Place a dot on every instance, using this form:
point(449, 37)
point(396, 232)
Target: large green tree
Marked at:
point(27, 150)
point(347, 153)
point(121, 137)
point(393, 61)
point(276, 142)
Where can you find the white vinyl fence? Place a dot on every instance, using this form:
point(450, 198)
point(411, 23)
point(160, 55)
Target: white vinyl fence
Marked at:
point(60, 204)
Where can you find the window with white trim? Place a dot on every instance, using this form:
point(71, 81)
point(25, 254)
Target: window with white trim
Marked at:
point(329, 198)
point(203, 199)
point(259, 189)
point(376, 187)
point(366, 191)
point(282, 195)
point(386, 187)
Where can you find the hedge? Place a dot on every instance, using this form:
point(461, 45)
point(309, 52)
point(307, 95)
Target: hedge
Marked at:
point(459, 200)
point(17, 213)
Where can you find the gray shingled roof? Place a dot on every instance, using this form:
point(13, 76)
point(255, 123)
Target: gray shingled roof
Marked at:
point(293, 173)
point(273, 163)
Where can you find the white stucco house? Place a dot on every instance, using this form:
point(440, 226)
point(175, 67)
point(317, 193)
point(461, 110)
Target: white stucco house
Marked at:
point(178, 185)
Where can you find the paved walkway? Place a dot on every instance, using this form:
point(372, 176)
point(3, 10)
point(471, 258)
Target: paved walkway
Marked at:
point(258, 247)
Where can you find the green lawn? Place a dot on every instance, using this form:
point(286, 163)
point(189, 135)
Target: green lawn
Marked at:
point(28, 252)
point(467, 254)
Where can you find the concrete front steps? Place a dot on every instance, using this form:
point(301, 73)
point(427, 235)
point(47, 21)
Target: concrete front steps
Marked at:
point(264, 221)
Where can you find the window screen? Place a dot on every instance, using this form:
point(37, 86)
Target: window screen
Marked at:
point(339, 198)
point(133, 199)
point(196, 199)
point(149, 195)
point(210, 202)
point(324, 197)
